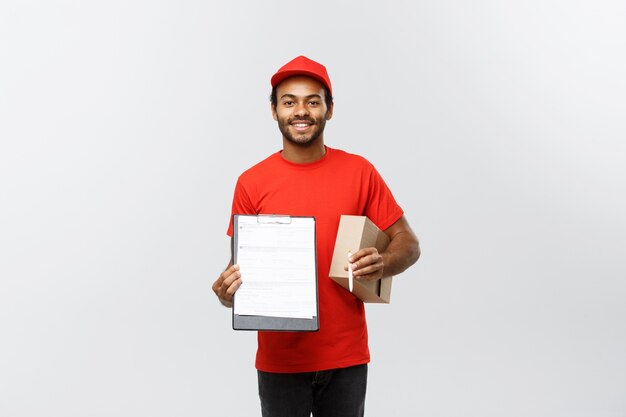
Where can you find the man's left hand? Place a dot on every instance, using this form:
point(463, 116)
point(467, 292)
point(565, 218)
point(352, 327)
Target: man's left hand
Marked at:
point(367, 264)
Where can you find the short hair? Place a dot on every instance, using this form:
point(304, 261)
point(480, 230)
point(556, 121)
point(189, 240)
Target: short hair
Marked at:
point(328, 98)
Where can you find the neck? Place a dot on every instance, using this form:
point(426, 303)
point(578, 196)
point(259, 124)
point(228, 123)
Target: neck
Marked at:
point(303, 154)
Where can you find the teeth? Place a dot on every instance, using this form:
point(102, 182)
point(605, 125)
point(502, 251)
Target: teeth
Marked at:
point(300, 125)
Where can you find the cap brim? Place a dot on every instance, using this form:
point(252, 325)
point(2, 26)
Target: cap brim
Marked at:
point(281, 76)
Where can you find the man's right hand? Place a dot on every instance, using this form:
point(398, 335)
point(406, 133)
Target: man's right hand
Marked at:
point(226, 285)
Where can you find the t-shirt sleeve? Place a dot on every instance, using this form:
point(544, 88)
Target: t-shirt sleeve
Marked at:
point(242, 204)
point(382, 208)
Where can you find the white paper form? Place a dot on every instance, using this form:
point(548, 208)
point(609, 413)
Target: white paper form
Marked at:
point(276, 257)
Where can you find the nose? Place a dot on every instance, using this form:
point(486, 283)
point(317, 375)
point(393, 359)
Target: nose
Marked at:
point(301, 110)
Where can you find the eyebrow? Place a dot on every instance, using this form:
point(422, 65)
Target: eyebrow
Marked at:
point(307, 97)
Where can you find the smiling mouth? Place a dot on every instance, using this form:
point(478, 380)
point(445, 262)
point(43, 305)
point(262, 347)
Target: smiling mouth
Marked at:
point(301, 125)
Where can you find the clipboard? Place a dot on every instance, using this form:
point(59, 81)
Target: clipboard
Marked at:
point(275, 224)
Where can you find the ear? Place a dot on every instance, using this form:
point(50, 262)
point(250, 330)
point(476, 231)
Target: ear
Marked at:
point(329, 112)
point(274, 115)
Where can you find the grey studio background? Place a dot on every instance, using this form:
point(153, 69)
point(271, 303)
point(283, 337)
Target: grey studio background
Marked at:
point(499, 126)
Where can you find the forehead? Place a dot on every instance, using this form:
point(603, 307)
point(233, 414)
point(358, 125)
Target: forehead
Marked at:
point(300, 86)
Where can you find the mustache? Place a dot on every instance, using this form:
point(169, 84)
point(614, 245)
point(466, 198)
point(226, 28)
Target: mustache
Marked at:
point(301, 119)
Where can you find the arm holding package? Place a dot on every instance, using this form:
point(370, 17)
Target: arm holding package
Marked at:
point(403, 249)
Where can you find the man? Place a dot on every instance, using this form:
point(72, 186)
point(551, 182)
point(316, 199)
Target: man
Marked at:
point(322, 372)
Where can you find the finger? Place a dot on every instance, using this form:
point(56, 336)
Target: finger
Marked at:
point(367, 260)
point(360, 254)
point(226, 278)
point(228, 274)
point(228, 282)
point(233, 288)
point(230, 270)
point(217, 284)
point(369, 269)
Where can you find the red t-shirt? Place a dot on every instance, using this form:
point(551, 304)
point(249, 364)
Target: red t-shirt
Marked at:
point(339, 183)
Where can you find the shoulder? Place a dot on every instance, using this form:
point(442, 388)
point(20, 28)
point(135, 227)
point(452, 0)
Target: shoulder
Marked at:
point(352, 159)
point(261, 169)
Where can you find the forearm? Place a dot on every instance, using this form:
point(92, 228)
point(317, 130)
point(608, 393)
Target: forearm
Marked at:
point(402, 252)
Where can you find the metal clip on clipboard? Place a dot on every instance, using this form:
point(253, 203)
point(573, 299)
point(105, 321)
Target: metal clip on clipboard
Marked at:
point(273, 219)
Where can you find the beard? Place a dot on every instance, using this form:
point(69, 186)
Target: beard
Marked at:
point(301, 138)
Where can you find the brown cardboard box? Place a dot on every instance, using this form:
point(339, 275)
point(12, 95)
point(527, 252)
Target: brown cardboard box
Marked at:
point(354, 233)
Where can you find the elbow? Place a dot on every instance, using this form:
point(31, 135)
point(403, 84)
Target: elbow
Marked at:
point(416, 252)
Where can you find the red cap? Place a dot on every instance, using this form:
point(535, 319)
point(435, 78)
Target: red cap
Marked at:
point(302, 66)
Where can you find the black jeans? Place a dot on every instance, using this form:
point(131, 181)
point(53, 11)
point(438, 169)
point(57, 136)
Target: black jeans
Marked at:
point(333, 393)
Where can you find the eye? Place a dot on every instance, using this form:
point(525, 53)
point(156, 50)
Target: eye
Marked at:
point(314, 102)
point(288, 103)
